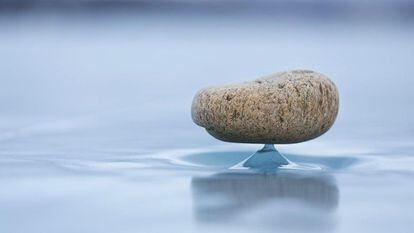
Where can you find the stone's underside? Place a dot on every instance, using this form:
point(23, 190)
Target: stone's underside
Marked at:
point(286, 107)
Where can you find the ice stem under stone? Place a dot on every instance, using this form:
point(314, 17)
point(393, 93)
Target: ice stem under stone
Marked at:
point(267, 157)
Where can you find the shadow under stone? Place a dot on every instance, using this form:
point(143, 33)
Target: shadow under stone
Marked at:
point(227, 159)
point(288, 199)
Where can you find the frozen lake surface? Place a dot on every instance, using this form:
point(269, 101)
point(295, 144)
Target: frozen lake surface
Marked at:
point(96, 133)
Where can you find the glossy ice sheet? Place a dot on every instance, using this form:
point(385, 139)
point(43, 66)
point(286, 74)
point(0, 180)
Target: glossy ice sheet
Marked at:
point(191, 190)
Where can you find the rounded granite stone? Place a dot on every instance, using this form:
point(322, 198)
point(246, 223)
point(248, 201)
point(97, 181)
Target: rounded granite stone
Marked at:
point(286, 107)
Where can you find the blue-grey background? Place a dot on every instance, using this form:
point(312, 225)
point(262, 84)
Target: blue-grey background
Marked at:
point(95, 101)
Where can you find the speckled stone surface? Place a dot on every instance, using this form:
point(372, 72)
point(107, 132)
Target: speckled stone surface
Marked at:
point(286, 107)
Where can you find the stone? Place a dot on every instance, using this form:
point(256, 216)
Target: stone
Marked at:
point(285, 107)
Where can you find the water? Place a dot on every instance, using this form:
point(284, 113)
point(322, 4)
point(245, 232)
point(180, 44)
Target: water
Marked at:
point(96, 133)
